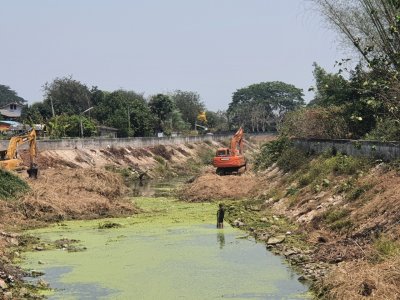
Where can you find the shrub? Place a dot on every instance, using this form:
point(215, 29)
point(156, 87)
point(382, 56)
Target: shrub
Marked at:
point(270, 152)
point(206, 156)
point(316, 122)
point(385, 130)
point(291, 159)
point(11, 185)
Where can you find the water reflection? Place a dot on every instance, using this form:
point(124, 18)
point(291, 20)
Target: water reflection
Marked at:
point(221, 239)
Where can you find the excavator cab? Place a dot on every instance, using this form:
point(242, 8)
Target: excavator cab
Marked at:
point(231, 160)
point(222, 152)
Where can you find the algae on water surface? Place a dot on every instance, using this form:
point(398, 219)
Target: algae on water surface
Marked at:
point(171, 250)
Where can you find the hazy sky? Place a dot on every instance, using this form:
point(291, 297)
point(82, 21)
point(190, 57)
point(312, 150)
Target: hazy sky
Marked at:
point(213, 47)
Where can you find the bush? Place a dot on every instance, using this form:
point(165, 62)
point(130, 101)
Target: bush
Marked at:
point(291, 159)
point(316, 122)
point(271, 152)
point(11, 185)
point(385, 130)
point(206, 156)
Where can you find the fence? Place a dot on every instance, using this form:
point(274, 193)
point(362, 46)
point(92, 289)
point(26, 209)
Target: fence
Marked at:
point(101, 143)
point(375, 149)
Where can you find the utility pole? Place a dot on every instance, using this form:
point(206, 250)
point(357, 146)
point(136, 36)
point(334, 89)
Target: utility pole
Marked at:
point(80, 119)
point(129, 121)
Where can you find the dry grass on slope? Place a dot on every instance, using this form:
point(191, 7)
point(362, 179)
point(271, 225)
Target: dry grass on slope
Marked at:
point(358, 280)
point(75, 194)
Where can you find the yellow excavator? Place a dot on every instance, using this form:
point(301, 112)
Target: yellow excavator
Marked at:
point(9, 159)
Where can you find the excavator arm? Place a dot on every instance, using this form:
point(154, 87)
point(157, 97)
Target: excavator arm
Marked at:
point(16, 141)
point(11, 162)
point(237, 140)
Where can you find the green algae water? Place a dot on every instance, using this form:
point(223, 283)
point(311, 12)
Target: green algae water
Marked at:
point(170, 251)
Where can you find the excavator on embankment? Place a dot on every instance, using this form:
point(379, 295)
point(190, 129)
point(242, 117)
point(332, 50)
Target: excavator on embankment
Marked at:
point(9, 159)
point(230, 160)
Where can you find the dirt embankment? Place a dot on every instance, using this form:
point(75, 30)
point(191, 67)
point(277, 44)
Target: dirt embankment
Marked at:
point(347, 238)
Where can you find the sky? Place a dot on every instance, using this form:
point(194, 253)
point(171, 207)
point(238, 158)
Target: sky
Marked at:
point(212, 47)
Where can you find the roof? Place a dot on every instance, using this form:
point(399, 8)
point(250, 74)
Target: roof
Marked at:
point(107, 128)
point(10, 114)
point(8, 104)
point(11, 123)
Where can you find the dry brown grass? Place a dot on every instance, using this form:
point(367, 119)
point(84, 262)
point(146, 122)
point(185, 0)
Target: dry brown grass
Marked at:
point(71, 194)
point(360, 279)
point(77, 193)
point(209, 187)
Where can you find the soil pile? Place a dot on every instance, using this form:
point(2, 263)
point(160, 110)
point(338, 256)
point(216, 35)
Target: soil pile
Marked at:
point(211, 187)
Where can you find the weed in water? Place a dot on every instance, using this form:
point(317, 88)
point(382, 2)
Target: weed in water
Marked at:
point(108, 225)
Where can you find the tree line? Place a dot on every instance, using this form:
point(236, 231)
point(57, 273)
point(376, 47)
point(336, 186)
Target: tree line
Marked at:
point(71, 109)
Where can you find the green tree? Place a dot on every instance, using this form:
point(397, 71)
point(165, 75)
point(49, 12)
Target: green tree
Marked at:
point(7, 96)
point(32, 114)
point(217, 121)
point(355, 98)
point(189, 104)
point(161, 106)
point(261, 106)
point(66, 96)
point(127, 111)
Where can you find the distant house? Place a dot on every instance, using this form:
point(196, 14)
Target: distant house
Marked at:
point(11, 111)
point(9, 125)
point(104, 131)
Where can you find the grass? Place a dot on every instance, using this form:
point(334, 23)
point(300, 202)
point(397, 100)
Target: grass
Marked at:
point(386, 247)
point(11, 185)
point(337, 219)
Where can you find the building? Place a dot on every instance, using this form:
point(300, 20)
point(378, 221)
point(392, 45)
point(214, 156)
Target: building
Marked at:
point(104, 131)
point(11, 111)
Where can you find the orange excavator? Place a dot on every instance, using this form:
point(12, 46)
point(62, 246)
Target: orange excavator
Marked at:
point(8, 158)
point(231, 160)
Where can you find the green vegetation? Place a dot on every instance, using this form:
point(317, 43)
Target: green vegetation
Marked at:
point(11, 185)
point(271, 152)
point(386, 247)
point(337, 219)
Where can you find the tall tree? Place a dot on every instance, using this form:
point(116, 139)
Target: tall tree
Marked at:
point(189, 104)
point(261, 106)
point(161, 106)
point(7, 96)
point(67, 96)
